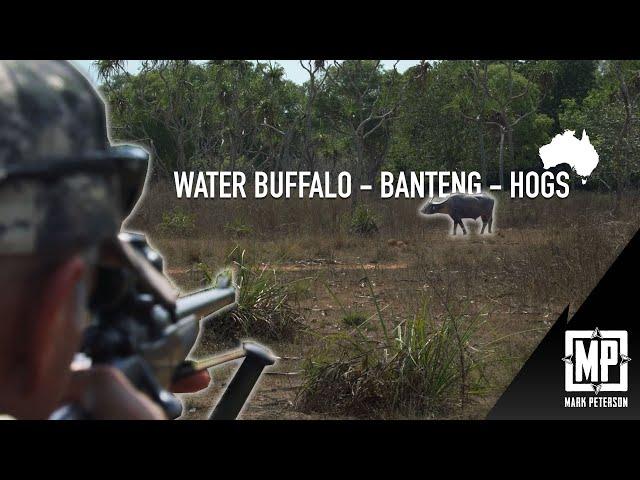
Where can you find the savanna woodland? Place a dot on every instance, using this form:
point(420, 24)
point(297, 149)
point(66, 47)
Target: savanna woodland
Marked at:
point(375, 311)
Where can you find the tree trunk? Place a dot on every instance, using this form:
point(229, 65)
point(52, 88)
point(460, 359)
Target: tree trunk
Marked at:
point(622, 142)
point(510, 145)
point(501, 157)
point(181, 160)
point(483, 158)
point(359, 171)
point(483, 154)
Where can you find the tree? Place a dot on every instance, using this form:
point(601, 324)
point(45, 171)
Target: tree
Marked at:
point(429, 134)
point(500, 97)
point(354, 115)
point(359, 100)
point(560, 80)
point(165, 107)
point(220, 114)
point(609, 113)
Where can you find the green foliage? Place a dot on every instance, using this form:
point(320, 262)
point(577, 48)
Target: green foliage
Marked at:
point(363, 221)
point(354, 115)
point(221, 114)
point(238, 228)
point(561, 80)
point(177, 222)
point(430, 135)
point(610, 117)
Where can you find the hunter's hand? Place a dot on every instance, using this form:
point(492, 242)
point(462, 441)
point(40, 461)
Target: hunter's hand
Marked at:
point(106, 394)
point(193, 383)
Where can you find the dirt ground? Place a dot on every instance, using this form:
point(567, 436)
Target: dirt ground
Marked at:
point(513, 280)
point(543, 255)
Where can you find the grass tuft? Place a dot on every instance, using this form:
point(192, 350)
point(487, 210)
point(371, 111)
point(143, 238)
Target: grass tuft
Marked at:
point(264, 308)
point(423, 368)
point(354, 319)
point(364, 221)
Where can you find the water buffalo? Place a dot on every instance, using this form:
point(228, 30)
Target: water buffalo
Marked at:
point(459, 206)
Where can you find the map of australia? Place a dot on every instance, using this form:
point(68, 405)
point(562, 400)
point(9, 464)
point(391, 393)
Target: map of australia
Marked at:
point(566, 148)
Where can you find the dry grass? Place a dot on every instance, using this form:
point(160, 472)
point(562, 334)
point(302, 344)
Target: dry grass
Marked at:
point(423, 367)
point(267, 305)
point(540, 248)
point(544, 255)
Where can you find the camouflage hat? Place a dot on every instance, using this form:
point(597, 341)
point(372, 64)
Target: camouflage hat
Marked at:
point(61, 183)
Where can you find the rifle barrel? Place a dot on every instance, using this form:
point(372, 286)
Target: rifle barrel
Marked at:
point(205, 302)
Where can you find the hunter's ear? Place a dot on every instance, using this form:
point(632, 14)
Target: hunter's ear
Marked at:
point(53, 320)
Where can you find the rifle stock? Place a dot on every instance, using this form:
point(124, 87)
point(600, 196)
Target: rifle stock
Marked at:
point(137, 329)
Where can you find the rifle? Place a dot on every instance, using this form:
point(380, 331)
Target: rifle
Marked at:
point(140, 327)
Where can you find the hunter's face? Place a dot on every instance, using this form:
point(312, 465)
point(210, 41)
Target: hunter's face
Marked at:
point(45, 322)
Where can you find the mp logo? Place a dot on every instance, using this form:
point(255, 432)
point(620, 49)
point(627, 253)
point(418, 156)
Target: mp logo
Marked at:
point(596, 360)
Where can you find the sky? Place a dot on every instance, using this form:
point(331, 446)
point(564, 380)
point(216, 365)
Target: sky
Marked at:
point(292, 68)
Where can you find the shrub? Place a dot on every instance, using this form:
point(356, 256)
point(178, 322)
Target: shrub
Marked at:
point(363, 221)
point(238, 229)
point(177, 222)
